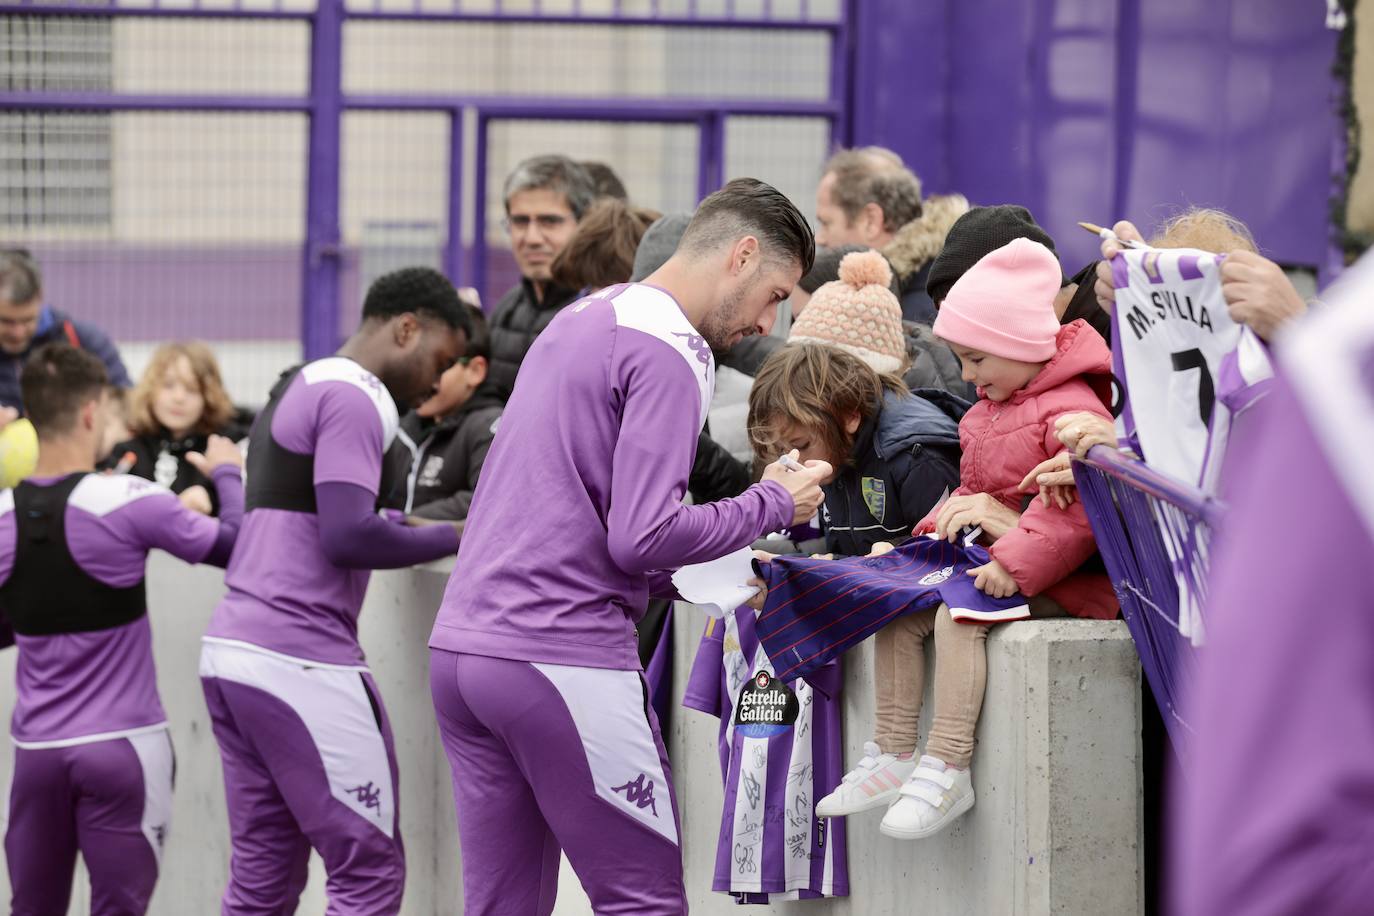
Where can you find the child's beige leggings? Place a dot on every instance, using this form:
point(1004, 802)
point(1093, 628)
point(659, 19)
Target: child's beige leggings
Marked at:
point(961, 674)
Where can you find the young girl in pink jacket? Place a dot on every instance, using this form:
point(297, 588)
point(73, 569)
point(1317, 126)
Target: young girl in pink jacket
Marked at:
point(999, 319)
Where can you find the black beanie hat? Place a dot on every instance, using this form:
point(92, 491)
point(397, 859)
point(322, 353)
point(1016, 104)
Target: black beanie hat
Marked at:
point(978, 232)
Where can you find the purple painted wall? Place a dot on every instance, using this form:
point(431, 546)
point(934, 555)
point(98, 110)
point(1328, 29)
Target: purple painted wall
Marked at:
point(166, 292)
point(1100, 111)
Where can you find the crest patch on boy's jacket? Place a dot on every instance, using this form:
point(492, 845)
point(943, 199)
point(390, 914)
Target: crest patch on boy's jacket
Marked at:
point(875, 495)
point(434, 466)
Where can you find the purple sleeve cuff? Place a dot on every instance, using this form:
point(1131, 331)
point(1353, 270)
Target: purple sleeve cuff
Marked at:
point(228, 481)
point(779, 503)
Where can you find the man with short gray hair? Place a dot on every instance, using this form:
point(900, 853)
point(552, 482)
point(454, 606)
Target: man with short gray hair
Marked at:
point(545, 198)
point(27, 322)
point(868, 197)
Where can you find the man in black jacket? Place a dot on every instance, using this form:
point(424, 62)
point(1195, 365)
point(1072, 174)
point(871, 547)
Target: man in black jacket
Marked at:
point(545, 198)
point(432, 466)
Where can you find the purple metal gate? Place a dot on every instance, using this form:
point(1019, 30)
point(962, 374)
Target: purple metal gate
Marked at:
point(290, 133)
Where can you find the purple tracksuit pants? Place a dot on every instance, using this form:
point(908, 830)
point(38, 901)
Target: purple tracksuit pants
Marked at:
point(309, 762)
point(555, 757)
point(111, 801)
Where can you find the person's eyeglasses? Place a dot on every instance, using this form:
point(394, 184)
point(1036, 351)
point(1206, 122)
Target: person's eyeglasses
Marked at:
point(520, 224)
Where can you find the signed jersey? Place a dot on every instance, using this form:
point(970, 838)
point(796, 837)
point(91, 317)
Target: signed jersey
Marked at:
point(772, 845)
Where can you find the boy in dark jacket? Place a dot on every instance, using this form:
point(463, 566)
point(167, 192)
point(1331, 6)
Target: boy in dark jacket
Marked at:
point(432, 466)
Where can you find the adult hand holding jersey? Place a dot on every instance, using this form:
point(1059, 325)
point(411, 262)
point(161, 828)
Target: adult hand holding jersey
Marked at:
point(976, 510)
point(804, 485)
point(1259, 294)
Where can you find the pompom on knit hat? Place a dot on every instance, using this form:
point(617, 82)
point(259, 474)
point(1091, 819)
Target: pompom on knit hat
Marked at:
point(857, 313)
point(1004, 304)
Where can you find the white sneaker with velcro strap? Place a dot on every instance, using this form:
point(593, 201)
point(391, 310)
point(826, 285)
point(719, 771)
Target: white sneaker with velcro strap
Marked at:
point(933, 798)
point(874, 783)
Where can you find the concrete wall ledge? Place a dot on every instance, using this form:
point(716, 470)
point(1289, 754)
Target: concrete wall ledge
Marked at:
point(1056, 828)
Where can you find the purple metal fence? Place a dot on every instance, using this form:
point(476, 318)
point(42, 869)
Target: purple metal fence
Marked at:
point(1154, 534)
point(325, 260)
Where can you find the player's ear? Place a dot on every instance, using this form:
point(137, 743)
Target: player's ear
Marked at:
point(405, 328)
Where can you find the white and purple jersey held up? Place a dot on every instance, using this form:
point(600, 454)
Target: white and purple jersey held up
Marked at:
point(284, 593)
point(1186, 367)
point(99, 683)
point(595, 446)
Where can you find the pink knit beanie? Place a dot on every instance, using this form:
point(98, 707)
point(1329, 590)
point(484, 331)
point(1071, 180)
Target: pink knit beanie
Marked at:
point(1004, 304)
point(857, 313)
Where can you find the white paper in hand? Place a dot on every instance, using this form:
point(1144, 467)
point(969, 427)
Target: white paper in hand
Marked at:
point(720, 585)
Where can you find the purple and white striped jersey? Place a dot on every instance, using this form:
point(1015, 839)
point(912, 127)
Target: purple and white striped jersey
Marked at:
point(595, 446)
point(816, 609)
point(91, 685)
point(772, 846)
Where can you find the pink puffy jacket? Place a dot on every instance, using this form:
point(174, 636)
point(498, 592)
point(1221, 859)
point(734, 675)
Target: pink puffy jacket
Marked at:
point(1003, 441)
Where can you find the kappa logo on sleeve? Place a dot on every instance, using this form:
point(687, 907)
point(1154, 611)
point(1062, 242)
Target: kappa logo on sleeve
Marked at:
point(698, 345)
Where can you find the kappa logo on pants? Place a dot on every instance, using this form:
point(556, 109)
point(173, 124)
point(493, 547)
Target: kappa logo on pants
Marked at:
point(640, 793)
point(368, 796)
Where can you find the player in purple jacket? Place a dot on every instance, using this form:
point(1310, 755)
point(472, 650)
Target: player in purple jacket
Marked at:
point(1274, 813)
point(305, 742)
point(534, 669)
point(93, 760)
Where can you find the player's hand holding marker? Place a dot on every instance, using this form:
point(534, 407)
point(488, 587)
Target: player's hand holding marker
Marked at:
point(802, 481)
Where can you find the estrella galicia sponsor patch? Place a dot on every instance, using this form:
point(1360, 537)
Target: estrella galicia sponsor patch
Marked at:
point(766, 707)
point(875, 495)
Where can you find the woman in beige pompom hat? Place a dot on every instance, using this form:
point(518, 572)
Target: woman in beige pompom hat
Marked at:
point(859, 314)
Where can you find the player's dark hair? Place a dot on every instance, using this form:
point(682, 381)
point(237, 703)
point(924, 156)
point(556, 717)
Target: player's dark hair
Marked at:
point(747, 206)
point(422, 291)
point(57, 379)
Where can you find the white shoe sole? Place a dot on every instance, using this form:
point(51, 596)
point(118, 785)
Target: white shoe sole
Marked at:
point(960, 808)
point(881, 800)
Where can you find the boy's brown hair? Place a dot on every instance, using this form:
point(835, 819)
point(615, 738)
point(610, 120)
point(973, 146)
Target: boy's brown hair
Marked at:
point(602, 250)
point(818, 388)
point(218, 407)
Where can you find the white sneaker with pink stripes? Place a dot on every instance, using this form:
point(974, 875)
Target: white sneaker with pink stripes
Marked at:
point(874, 783)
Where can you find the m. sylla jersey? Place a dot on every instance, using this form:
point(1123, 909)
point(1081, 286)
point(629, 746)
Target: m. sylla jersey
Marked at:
point(1185, 367)
point(1186, 371)
point(816, 609)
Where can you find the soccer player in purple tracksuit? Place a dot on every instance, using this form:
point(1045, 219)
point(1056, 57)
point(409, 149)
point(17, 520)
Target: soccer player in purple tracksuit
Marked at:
point(93, 763)
point(305, 742)
point(1273, 810)
point(534, 667)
